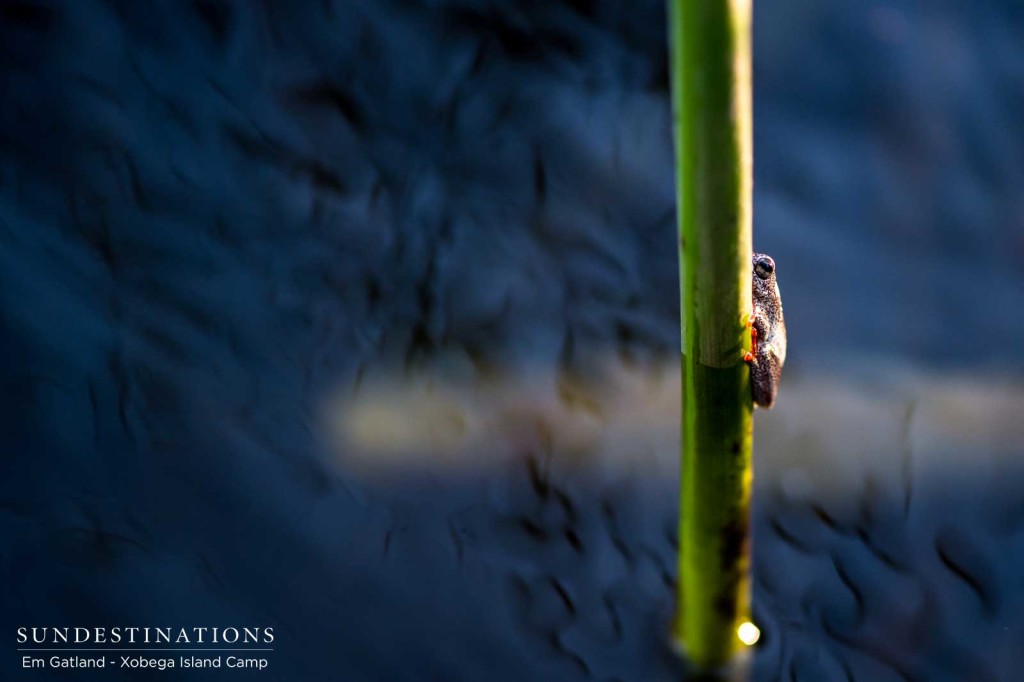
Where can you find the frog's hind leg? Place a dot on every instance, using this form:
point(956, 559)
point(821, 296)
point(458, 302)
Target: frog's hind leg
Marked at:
point(762, 385)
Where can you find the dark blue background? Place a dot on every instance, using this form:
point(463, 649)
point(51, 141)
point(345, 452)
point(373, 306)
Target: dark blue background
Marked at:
point(216, 217)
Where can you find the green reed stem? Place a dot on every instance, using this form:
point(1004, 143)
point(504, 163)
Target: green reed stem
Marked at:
point(711, 98)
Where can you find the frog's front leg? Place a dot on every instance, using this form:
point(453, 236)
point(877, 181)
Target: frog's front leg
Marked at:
point(758, 328)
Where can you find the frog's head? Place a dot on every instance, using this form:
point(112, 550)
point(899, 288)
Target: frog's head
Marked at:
point(765, 287)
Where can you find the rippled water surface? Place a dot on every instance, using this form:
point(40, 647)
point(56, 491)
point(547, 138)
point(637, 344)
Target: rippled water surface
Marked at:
point(360, 320)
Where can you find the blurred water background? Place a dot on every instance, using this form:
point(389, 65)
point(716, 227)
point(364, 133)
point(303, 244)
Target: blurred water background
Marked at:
point(360, 320)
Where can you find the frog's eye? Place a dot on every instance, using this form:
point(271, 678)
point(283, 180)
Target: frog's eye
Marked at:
point(764, 267)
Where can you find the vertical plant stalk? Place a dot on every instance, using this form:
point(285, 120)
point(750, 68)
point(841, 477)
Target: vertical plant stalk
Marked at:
point(711, 98)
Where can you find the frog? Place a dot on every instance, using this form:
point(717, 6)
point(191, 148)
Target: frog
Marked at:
point(767, 333)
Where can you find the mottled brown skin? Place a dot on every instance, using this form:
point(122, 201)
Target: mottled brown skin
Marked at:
point(768, 333)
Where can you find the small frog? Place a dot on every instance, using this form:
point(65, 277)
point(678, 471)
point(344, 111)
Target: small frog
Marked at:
point(767, 333)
